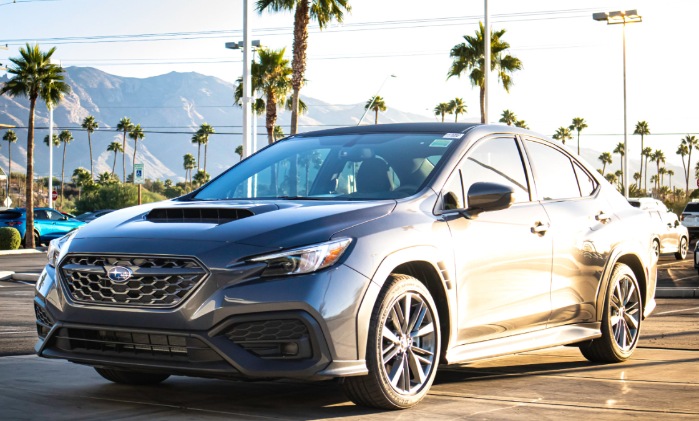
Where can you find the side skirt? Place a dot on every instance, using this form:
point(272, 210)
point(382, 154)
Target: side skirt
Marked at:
point(547, 338)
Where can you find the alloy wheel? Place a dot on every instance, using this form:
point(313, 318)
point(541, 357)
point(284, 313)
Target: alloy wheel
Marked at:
point(625, 313)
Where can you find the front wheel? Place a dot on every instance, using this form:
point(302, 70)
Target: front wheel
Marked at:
point(131, 377)
point(621, 321)
point(682, 252)
point(402, 350)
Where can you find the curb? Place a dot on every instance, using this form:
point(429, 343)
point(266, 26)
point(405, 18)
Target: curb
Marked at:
point(677, 293)
point(26, 277)
point(22, 251)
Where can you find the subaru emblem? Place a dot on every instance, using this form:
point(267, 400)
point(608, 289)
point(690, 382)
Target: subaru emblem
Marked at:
point(119, 274)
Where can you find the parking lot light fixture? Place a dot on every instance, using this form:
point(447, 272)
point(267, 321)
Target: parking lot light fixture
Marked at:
point(614, 18)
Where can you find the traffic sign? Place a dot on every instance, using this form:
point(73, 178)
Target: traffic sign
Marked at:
point(54, 195)
point(7, 202)
point(139, 175)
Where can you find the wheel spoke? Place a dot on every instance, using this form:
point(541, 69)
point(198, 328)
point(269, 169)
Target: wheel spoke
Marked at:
point(406, 313)
point(418, 316)
point(406, 373)
point(396, 372)
point(397, 318)
point(416, 366)
point(425, 330)
point(387, 334)
point(421, 351)
point(390, 353)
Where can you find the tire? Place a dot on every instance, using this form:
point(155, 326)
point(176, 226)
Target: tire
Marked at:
point(682, 252)
point(656, 249)
point(411, 349)
point(621, 320)
point(131, 377)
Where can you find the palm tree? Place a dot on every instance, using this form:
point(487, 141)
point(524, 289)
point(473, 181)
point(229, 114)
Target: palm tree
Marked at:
point(522, 124)
point(469, 57)
point(56, 142)
point(278, 132)
point(205, 130)
point(11, 137)
point(578, 125)
point(646, 153)
point(661, 175)
point(606, 158)
point(81, 178)
point(456, 107)
point(116, 148)
point(239, 151)
point(323, 12)
point(201, 177)
point(562, 134)
point(508, 117)
point(125, 126)
point(136, 134)
point(34, 76)
point(271, 77)
point(658, 156)
point(90, 125)
point(692, 143)
point(65, 137)
point(642, 129)
point(188, 165)
point(637, 179)
point(620, 150)
point(682, 151)
point(441, 109)
point(197, 138)
point(376, 104)
point(670, 174)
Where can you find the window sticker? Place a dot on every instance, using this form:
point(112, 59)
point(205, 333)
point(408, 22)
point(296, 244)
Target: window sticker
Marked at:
point(453, 136)
point(440, 143)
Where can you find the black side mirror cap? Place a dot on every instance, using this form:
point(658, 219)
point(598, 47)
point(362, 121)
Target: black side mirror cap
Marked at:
point(484, 196)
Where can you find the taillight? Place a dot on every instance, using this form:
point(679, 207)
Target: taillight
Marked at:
point(13, 223)
point(682, 217)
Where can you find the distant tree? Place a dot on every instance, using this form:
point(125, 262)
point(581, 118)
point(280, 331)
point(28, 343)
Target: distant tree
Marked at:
point(662, 171)
point(456, 107)
point(642, 129)
point(612, 178)
point(637, 179)
point(441, 110)
point(620, 150)
point(658, 156)
point(692, 143)
point(11, 137)
point(34, 76)
point(278, 132)
point(562, 134)
point(125, 126)
point(56, 142)
point(646, 153)
point(201, 177)
point(670, 174)
point(136, 134)
point(605, 158)
point(105, 179)
point(81, 178)
point(205, 130)
point(469, 56)
point(522, 124)
point(321, 11)
point(65, 137)
point(578, 125)
point(197, 139)
point(239, 151)
point(376, 104)
point(508, 117)
point(90, 125)
point(188, 164)
point(116, 148)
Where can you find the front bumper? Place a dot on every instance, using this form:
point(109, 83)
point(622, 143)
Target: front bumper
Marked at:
point(232, 325)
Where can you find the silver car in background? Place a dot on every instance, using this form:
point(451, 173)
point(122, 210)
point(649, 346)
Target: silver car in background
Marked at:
point(673, 237)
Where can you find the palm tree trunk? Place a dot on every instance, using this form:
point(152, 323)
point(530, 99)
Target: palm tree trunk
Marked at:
point(206, 149)
point(123, 157)
point(9, 168)
point(376, 115)
point(133, 172)
point(642, 158)
point(114, 164)
point(63, 166)
point(271, 115)
point(298, 63)
point(198, 154)
point(689, 165)
point(29, 198)
point(579, 144)
point(89, 142)
point(482, 104)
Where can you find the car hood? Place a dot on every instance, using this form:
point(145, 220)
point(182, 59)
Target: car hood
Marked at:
point(264, 224)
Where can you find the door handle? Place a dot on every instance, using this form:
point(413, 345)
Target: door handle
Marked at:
point(603, 217)
point(539, 228)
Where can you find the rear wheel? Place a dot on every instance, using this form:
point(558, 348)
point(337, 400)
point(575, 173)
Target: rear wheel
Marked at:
point(402, 350)
point(131, 377)
point(621, 321)
point(682, 252)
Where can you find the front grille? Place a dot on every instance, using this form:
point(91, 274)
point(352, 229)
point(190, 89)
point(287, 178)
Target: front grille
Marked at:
point(127, 344)
point(276, 338)
point(155, 281)
point(197, 215)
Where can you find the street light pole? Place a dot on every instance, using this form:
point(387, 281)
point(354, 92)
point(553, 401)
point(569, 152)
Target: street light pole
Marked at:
point(374, 98)
point(486, 63)
point(255, 45)
point(614, 18)
point(50, 186)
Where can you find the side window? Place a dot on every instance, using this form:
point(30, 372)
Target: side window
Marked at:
point(588, 185)
point(553, 172)
point(41, 214)
point(55, 216)
point(499, 161)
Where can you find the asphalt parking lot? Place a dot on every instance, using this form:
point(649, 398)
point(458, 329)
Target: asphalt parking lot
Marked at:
point(661, 381)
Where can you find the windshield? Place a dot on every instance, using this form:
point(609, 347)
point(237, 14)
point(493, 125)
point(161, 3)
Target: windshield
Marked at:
point(342, 167)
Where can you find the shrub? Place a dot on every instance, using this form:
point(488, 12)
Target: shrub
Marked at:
point(9, 238)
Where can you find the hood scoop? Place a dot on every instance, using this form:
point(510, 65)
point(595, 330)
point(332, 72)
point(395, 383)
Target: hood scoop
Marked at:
point(204, 215)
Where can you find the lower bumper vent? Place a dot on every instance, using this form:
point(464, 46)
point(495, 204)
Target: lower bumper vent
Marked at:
point(273, 339)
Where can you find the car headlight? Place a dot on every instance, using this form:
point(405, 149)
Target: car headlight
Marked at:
point(57, 246)
point(303, 260)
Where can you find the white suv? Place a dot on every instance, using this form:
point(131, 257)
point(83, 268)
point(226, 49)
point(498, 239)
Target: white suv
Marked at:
point(690, 218)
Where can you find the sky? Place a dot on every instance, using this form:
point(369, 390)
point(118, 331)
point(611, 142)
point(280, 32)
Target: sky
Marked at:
point(572, 65)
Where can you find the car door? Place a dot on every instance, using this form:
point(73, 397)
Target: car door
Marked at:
point(503, 258)
point(580, 217)
point(55, 224)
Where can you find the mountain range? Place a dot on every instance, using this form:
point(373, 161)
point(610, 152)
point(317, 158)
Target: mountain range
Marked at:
point(169, 107)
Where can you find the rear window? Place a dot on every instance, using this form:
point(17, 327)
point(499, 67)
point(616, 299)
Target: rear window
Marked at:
point(10, 215)
point(692, 207)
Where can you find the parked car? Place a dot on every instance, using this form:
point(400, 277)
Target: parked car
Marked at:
point(690, 218)
point(48, 223)
point(371, 254)
point(672, 236)
point(91, 216)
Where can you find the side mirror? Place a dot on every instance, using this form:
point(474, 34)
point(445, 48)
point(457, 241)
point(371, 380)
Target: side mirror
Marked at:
point(483, 197)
